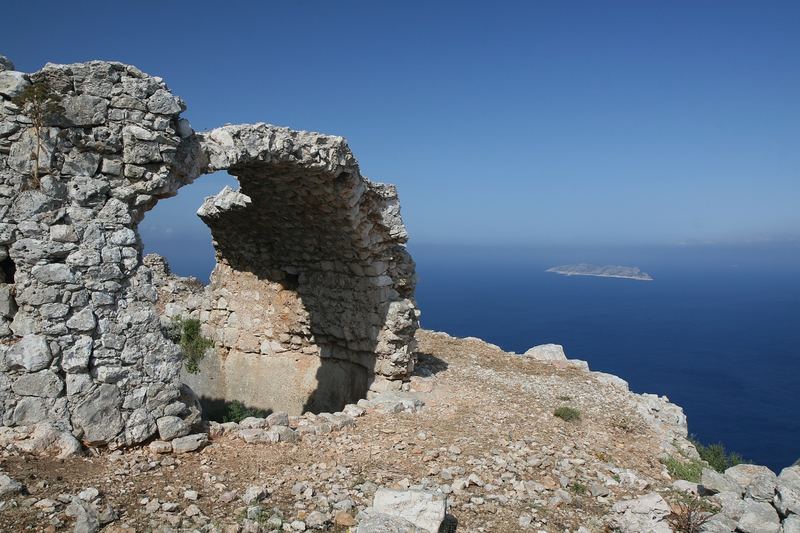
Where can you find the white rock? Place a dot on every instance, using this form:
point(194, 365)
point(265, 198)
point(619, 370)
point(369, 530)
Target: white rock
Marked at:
point(645, 513)
point(547, 352)
point(424, 509)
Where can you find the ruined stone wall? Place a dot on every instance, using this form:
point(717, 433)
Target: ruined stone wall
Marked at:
point(315, 249)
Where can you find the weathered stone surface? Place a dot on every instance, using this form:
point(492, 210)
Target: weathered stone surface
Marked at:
point(140, 426)
point(76, 356)
point(8, 486)
point(6, 63)
point(45, 438)
point(171, 427)
point(714, 482)
point(30, 353)
point(547, 352)
point(85, 110)
point(45, 384)
point(384, 523)
point(425, 510)
point(791, 524)
point(759, 517)
point(645, 513)
point(159, 446)
point(745, 474)
point(98, 415)
point(86, 519)
point(82, 321)
point(189, 443)
point(787, 499)
point(12, 83)
point(278, 419)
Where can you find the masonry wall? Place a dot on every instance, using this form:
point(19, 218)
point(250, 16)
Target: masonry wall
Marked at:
point(81, 341)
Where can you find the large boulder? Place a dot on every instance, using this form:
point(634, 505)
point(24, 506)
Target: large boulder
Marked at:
point(759, 517)
point(758, 482)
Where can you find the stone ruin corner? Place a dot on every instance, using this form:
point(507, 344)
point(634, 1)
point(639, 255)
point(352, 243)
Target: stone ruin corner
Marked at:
point(310, 304)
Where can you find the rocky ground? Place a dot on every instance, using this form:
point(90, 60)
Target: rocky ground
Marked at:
point(487, 439)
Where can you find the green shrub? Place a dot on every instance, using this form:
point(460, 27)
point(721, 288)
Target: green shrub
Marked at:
point(186, 333)
point(568, 414)
point(716, 456)
point(682, 468)
point(578, 488)
point(236, 411)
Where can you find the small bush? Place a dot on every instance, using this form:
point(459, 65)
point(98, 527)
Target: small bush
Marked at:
point(578, 488)
point(186, 333)
point(690, 513)
point(716, 456)
point(236, 411)
point(568, 414)
point(688, 469)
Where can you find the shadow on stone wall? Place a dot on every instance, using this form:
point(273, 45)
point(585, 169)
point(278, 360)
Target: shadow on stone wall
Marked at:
point(312, 295)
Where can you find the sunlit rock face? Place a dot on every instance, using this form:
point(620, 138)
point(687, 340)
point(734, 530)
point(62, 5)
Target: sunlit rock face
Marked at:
point(310, 302)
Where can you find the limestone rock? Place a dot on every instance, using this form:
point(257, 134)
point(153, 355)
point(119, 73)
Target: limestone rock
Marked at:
point(424, 509)
point(189, 443)
point(254, 493)
point(791, 524)
point(384, 523)
point(158, 446)
point(85, 110)
point(44, 383)
point(5, 63)
point(98, 415)
point(30, 353)
point(645, 513)
point(787, 499)
point(171, 427)
point(278, 419)
point(86, 519)
point(45, 438)
point(8, 486)
point(714, 482)
point(12, 83)
point(547, 352)
point(759, 517)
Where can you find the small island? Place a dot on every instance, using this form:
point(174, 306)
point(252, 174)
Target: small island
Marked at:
point(608, 271)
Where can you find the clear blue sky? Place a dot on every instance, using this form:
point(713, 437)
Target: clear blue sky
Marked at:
point(530, 122)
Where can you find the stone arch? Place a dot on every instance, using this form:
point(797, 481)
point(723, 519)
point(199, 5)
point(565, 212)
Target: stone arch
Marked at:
point(86, 348)
point(312, 295)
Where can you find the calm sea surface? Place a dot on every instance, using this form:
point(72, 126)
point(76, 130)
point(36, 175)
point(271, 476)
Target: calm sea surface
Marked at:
point(718, 331)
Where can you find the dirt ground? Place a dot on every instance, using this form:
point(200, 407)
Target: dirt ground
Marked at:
point(487, 435)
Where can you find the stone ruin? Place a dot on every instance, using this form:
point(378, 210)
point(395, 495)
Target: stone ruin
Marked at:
point(311, 302)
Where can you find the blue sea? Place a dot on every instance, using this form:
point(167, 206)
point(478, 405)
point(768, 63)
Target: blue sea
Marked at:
point(717, 331)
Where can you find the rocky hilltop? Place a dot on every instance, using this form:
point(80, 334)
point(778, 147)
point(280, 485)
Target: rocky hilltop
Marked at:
point(353, 418)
